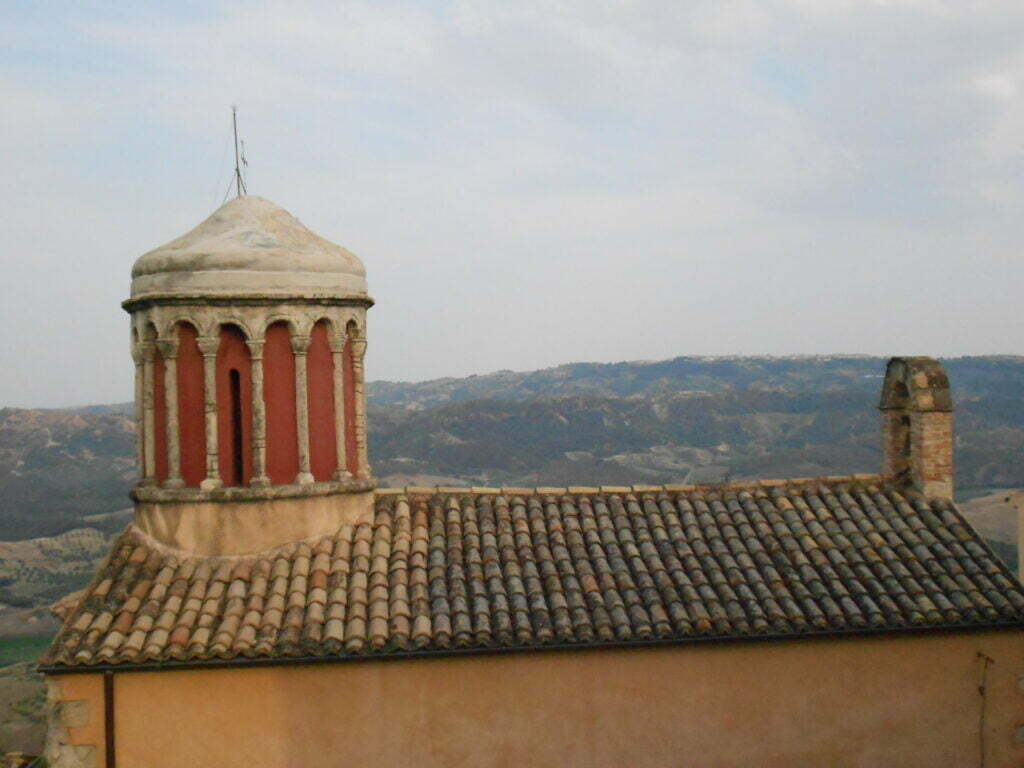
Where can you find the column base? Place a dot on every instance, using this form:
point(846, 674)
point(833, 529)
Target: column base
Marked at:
point(174, 482)
point(260, 482)
point(304, 478)
point(341, 475)
point(210, 484)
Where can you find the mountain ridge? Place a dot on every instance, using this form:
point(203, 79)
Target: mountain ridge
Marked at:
point(685, 419)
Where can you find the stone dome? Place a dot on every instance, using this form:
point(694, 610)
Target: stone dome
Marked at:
point(249, 247)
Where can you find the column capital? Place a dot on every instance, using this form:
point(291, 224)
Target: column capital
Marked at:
point(358, 348)
point(148, 351)
point(168, 348)
point(137, 357)
point(337, 344)
point(208, 345)
point(255, 348)
point(300, 344)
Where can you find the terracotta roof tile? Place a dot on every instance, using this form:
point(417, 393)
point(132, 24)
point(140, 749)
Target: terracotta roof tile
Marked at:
point(481, 568)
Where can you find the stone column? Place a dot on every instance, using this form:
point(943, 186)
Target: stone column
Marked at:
point(338, 354)
point(208, 346)
point(259, 416)
point(148, 412)
point(300, 346)
point(358, 353)
point(169, 352)
point(140, 426)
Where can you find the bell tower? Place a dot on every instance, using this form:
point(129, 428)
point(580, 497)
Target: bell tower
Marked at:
point(248, 335)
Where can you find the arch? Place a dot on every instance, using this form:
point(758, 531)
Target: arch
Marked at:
point(283, 319)
point(279, 401)
point(234, 406)
point(228, 317)
point(191, 406)
point(171, 325)
point(348, 385)
point(323, 449)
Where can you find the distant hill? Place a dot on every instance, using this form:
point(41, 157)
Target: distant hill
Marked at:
point(994, 376)
point(58, 466)
point(690, 419)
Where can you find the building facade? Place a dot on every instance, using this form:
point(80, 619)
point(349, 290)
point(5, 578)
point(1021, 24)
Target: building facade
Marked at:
point(269, 605)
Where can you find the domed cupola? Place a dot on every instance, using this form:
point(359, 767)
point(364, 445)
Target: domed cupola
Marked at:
point(249, 247)
point(248, 335)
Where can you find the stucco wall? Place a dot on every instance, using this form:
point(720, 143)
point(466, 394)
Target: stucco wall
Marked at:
point(906, 701)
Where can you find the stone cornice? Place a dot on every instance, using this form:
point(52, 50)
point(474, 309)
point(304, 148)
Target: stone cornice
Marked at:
point(154, 494)
point(253, 300)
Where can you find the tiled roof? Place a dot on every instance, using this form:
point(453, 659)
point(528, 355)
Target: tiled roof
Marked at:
point(441, 569)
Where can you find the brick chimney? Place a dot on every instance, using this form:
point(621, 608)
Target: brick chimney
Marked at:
point(917, 425)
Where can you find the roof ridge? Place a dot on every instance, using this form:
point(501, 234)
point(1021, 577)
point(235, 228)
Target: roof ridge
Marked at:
point(586, 490)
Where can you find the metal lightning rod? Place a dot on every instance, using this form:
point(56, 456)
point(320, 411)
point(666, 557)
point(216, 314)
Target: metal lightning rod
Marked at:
point(239, 181)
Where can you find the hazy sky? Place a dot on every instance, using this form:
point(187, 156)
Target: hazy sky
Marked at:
point(528, 183)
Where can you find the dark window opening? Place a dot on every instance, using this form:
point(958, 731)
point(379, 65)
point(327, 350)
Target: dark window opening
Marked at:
point(237, 460)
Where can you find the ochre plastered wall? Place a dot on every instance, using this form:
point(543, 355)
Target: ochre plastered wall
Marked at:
point(894, 701)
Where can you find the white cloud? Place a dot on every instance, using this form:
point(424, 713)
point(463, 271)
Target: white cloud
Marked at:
point(623, 179)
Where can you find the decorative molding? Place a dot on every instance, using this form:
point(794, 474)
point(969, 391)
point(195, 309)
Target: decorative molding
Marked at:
point(253, 315)
point(168, 348)
point(149, 494)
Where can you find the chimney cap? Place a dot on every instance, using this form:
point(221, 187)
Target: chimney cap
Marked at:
point(916, 384)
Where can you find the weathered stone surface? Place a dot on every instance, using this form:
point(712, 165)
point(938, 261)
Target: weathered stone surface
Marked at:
point(917, 425)
point(249, 246)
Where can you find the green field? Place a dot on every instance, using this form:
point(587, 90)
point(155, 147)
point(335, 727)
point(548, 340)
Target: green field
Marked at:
point(22, 648)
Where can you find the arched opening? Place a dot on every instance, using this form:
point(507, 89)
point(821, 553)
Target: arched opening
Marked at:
point(237, 462)
point(348, 382)
point(323, 450)
point(191, 406)
point(234, 407)
point(279, 400)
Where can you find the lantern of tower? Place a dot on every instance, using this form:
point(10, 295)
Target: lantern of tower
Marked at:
point(248, 335)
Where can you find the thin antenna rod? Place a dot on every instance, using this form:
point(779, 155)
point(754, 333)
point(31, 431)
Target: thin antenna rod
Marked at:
point(239, 181)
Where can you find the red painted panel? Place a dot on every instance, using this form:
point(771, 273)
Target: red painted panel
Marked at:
point(191, 413)
point(279, 397)
point(233, 355)
point(159, 418)
point(348, 377)
point(323, 450)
